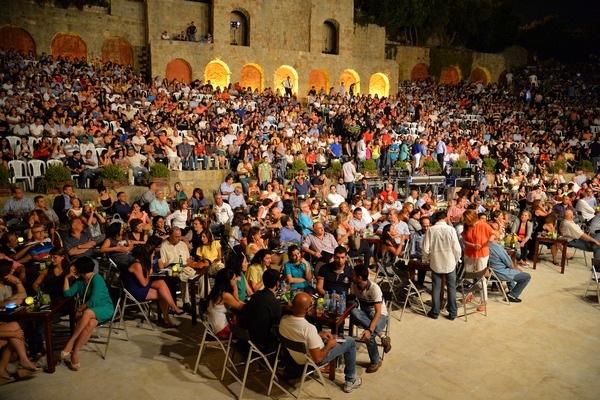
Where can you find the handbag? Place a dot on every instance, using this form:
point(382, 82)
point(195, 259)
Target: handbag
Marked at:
point(354, 241)
point(80, 305)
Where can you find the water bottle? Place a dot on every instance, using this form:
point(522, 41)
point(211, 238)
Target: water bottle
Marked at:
point(333, 302)
point(342, 304)
point(326, 301)
point(180, 263)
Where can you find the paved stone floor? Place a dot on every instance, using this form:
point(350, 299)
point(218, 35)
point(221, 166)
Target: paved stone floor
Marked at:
point(547, 347)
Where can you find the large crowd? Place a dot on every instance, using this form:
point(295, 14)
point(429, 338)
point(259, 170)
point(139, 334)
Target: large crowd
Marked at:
point(277, 210)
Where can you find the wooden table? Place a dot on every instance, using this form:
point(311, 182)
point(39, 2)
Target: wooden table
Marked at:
point(174, 281)
point(561, 241)
point(333, 322)
point(34, 314)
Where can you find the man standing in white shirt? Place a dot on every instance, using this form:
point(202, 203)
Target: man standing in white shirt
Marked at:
point(441, 249)
point(349, 170)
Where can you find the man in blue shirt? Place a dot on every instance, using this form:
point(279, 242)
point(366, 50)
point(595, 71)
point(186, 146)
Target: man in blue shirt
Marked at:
point(504, 268)
point(336, 148)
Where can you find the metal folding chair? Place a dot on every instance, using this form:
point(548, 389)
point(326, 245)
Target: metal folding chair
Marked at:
point(594, 278)
point(218, 343)
point(299, 347)
point(469, 284)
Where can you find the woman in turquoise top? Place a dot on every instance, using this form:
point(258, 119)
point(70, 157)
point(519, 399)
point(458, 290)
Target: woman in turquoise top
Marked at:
point(239, 264)
point(97, 306)
point(297, 270)
point(178, 193)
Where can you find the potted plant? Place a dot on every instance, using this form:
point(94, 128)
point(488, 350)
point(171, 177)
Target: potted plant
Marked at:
point(369, 169)
point(4, 182)
point(489, 165)
point(159, 173)
point(432, 167)
point(560, 164)
point(55, 178)
point(334, 171)
point(585, 166)
point(458, 166)
point(401, 165)
point(293, 169)
point(112, 176)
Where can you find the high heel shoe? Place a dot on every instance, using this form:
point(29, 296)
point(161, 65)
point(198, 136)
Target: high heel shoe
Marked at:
point(73, 366)
point(64, 355)
point(6, 379)
point(173, 312)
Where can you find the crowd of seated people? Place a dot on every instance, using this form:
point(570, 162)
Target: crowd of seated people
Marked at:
point(263, 220)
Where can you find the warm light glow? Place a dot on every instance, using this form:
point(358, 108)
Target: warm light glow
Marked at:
point(379, 85)
point(252, 75)
point(350, 77)
point(282, 73)
point(218, 73)
point(319, 78)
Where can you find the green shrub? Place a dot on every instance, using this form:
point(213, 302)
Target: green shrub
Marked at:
point(401, 164)
point(459, 164)
point(159, 170)
point(54, 178)
point(489, 164)
point(334, 171)
point(585, 165)
point(113, 173)
point(4, 176)
point(292, 170)
point(432, 166)
point(368, 165)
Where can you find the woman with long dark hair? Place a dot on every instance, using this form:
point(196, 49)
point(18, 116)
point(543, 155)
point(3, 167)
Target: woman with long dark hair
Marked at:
point(51, 279)
point(220, 298)
point(239, 264)
point(136, 280)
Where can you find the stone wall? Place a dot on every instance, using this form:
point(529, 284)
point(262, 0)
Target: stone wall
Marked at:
point(94, 25)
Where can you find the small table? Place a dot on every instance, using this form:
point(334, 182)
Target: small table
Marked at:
point(561, 241)
point(325, 319)
point(34, 314)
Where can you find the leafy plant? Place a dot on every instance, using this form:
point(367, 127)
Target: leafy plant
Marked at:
point(560, 164)
point(293, 169)
point(56, 176)
point(113, 173)
point(159, 170)
point(432, 166)
point(401, 164)
point(4, 176)
point(334, 171)
point(585, 165)
point(459, 164)
point(489, 164)
point(368, 165)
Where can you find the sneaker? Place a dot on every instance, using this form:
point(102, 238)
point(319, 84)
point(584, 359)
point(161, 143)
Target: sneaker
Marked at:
point(513, 299)
point(350, 386)
point(387, 344)
point(374, 367)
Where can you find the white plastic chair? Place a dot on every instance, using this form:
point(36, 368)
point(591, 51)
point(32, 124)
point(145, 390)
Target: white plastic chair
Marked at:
point(36, 169)
point(13, 141)
point(53, 162)
point(19, 172)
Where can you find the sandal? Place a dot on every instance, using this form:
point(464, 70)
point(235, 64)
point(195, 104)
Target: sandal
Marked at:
point(64, 355)
point(555, 262)
point(6, 379)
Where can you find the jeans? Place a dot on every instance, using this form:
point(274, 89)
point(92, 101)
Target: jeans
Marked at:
point(138, 172)
point(585, 245)
point(515, 279)
point(348, 349)
point(245, 182)
point(363, 319)
point(191, 163)
point(435, 296)
point(204, 160)
point(349, 189)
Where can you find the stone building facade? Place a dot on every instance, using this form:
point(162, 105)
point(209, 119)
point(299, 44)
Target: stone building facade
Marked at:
point(257, 43)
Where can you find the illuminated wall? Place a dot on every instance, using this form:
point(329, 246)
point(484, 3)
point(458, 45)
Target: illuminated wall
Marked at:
point(69, 44)
point(218, 73)
point(379, 85)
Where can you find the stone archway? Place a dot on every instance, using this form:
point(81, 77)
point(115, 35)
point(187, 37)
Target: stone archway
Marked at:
point(480, 74)
point(502, 78)
point(420, 72)
point(117, 50)
point(12, 37)
point(252, 76)
point(379, 85)
point(218, 73)
point(350, 77)
point(281, 74)
point(179, 69)
point(450, 76)
point(319, 78)
point(69, 45)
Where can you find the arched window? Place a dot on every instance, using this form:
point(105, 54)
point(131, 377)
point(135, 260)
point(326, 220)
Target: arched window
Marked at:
point(240, 28)
point(69, 45)
point(179, 69)
point(331, 37)
point(17, 38)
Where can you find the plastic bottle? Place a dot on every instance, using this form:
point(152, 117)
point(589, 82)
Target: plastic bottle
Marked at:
point(326, 302)
point(342, 304)
point(333, 302)
point(180, 263)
